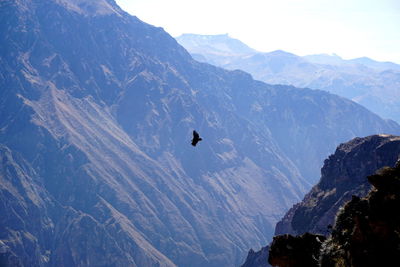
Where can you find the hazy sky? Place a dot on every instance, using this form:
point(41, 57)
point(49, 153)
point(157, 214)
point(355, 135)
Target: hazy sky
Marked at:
point(349, 28)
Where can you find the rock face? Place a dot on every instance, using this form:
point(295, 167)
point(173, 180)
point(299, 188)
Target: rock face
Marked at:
point(371, 83)
point(257, 258)
point(343, 177)
point(97, 111)
point(366, 232)
point(367, 229)
point(295, 251)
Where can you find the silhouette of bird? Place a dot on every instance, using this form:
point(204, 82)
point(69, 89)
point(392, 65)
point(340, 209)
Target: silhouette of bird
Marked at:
point(196, 138)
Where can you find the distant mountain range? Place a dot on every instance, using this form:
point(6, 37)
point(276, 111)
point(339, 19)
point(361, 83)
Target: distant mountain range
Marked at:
point(97, 112)
point(370, 83)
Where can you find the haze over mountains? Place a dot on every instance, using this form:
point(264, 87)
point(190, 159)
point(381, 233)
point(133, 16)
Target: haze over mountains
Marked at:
point(370, 83)
point(97, 111)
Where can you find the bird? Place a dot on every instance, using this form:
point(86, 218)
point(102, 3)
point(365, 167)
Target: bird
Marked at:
point(196, 138)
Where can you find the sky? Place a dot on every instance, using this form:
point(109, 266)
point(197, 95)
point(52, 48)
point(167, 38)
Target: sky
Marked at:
point(348, 28)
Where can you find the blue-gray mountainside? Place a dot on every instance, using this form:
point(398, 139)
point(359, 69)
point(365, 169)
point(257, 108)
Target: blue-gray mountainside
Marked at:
point(343, 178)
point(370, 83)
point(97, 110)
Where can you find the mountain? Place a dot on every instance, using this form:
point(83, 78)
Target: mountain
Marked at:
point(343, 178)
point(221, 44)
point(336, 60)
point(368, 82)
point(366, 232)
point(97, 112)
point(326, 59)
point(257, 258)
point(214, 48)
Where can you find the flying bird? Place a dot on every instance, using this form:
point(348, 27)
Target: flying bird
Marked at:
point(196, 138)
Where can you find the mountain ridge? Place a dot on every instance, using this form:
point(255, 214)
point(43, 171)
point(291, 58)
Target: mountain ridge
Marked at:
point(191, 40)
point(363, 80)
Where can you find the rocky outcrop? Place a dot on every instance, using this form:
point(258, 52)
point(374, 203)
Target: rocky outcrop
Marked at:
point(257, 258)
point(343, 175)
point(366, 232)
point(367, 229)
point(295, 251)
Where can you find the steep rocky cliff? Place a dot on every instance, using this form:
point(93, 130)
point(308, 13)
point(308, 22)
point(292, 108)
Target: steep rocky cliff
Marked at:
point(97, 110)
point(257, 258)
point(367, 229)
point(295, 251)
point(343, 178)
point(366, 232)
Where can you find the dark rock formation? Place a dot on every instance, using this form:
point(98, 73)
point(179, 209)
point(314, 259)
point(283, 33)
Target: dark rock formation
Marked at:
point(295, 251)
point(343, 178)
point(367, 229)
point(343, 175)
point(366, 232)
